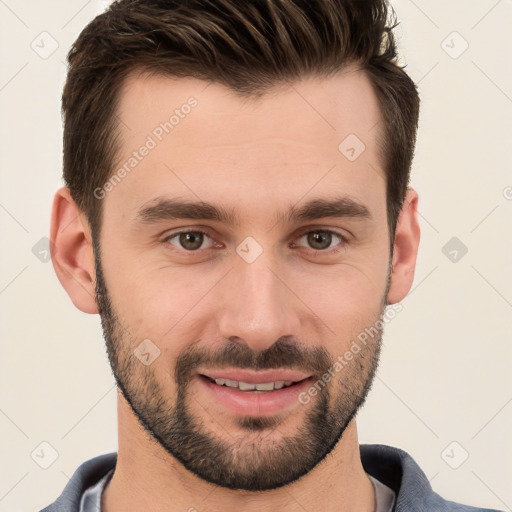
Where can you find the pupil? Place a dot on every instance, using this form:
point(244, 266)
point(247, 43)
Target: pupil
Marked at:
point(316, 237)
point(191, 240)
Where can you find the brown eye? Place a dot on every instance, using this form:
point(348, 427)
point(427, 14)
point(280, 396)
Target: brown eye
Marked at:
point(188, 240)
point(320, 240)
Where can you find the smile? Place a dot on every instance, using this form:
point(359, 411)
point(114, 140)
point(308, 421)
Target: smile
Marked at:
point(248, 386)
point(244, 393)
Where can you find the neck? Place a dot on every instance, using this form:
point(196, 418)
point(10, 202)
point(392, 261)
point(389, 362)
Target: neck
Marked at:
point(146, 477)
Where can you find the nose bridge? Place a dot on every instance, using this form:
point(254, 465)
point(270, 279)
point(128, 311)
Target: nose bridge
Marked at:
point(257, 306)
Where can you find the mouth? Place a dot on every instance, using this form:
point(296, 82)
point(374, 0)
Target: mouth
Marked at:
point(251, 386)
point(252, 393)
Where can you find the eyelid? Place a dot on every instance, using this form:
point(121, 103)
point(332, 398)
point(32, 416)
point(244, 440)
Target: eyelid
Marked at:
point(332, 231)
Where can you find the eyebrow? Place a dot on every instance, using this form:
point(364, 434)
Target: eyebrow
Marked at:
point(163, 209)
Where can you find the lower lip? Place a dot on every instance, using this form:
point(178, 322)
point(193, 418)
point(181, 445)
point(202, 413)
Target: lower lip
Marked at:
point(255, 403)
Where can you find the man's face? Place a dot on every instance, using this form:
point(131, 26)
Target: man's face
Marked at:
point(260, 296)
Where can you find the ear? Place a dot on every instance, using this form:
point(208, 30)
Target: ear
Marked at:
point(72, 252)
point(407, 239)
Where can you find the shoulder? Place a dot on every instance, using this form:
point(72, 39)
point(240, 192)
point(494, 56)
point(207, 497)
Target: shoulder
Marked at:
point(399, 471)
point(87, 474)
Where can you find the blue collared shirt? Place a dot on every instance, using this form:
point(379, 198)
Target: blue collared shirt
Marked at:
point(392, 467)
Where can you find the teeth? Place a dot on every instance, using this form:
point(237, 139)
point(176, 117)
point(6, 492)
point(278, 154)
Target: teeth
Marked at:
point(268, 386)
point(246, 386)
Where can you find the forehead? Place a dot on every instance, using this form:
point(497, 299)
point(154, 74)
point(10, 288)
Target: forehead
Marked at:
point(343, 102)
point(204, 139)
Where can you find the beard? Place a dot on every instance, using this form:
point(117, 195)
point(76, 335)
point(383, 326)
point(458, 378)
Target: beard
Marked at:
point(261, 457)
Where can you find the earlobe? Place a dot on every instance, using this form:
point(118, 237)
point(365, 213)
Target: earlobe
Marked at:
point(407, 239)
point(72, 254)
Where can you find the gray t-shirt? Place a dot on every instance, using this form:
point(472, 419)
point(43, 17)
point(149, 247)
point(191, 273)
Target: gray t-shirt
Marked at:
point(384, 496)
point(91, 499)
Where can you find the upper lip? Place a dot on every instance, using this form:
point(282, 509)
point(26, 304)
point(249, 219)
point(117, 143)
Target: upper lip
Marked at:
point(256, 377)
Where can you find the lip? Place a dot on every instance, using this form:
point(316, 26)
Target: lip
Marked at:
point(256, 377)
point(254, 403)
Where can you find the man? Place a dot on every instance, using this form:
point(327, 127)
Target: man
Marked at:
point(237, 211)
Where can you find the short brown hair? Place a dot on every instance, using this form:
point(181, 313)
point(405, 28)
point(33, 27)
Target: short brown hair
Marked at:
point(246, 45)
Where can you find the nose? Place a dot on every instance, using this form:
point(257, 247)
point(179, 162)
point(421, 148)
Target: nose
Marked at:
point(257, 307)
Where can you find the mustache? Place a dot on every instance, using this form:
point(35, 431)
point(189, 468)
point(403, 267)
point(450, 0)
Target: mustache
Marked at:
point(284, 353)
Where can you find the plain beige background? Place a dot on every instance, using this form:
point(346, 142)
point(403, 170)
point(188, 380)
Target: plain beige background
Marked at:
point(443, 391)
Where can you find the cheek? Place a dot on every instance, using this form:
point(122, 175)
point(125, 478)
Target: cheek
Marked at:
point(157, 301)
point(346, 298)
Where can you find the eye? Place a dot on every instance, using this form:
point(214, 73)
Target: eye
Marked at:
point(321, 239)
point(318, 240)
point(188, 240)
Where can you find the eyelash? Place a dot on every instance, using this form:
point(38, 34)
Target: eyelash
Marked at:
point(337, 248)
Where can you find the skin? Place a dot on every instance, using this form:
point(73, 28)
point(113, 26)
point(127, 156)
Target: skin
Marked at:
point(249, 156)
